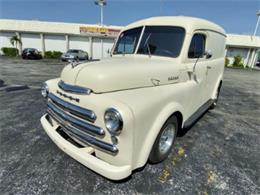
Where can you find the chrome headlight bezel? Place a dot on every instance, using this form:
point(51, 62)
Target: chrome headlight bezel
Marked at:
point(45, 90)
point(113, 121)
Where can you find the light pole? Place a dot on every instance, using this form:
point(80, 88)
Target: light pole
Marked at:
point(257, 23)
point(161, 6)
point(101, 3)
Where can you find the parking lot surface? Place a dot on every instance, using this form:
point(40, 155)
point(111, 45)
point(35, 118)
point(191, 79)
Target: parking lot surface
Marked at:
point(220, 154)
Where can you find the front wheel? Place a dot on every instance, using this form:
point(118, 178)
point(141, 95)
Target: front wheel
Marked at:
point(164, 141)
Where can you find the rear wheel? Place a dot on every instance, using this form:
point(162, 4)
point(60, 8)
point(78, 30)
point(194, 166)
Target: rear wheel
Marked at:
point(164, 141)
point(214, 104)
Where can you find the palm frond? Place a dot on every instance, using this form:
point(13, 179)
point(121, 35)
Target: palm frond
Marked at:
point(15, 39)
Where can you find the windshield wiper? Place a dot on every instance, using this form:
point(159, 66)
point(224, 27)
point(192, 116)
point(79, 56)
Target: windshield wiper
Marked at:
point(148, 48)
point(146, 44)
point(118, 52)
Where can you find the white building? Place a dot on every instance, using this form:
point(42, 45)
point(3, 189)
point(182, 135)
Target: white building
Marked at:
point(248, 47)
point(97, 40)
point(53, 36)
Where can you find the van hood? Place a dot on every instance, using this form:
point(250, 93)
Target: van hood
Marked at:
point(121, 73)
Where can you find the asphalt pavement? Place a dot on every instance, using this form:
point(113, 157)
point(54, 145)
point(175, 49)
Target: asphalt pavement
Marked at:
point(220, 154)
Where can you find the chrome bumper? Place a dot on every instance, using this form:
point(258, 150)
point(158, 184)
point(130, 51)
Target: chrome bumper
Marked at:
point(84, 155)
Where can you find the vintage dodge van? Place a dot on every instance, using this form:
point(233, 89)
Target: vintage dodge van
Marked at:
point(116, 114)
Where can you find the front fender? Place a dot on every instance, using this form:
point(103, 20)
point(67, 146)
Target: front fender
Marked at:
point(149, 140)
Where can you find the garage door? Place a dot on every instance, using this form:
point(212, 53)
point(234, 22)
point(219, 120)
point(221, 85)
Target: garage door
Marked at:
point(31, 41)
point(79, 43)
point(97, 52)
point(107, 46)
point(55, 43)
point(97, 48)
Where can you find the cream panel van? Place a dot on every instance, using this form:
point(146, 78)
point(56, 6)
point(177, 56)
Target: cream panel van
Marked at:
point(116, 114)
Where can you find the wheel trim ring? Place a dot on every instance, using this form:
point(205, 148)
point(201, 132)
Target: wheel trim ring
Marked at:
point(166, 139)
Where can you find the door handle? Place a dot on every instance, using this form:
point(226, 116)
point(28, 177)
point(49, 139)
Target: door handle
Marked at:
point(209, 67)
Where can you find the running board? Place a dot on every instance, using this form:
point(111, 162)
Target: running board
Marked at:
point(193, 118)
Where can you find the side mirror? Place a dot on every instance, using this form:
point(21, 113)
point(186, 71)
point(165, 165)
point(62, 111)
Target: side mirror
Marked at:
point(208, 54)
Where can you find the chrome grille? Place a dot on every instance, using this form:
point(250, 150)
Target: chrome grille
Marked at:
point(73, 120)
point(73, 109)
point(73, 88)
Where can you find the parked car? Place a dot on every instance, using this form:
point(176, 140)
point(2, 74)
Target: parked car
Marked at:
point(114, 115)
point(74, 54)
point(31, 53)
point(258, 63)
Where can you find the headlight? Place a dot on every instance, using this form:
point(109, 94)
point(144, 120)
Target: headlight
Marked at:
point(113, 121)
point(71, 56)
point(45, 90)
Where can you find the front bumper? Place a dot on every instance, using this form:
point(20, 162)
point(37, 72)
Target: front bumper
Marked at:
point(67, 58)
point(84, 155)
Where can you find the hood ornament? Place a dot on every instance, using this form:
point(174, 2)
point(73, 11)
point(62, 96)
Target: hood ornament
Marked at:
point(73, 63)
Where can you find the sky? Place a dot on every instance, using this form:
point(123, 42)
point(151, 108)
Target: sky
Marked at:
point(235, 16)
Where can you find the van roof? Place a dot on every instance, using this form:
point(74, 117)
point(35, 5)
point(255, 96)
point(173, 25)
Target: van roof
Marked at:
point(190, 24)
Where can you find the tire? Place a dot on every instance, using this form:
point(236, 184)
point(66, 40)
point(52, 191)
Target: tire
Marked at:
point(162, 147)
point(214, 104)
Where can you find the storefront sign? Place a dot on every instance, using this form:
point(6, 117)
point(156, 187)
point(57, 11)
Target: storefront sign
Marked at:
point(99, 31)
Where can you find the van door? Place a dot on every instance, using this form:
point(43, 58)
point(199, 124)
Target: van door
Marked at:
point(212, 76)
point(197, 69)
point(215, 62)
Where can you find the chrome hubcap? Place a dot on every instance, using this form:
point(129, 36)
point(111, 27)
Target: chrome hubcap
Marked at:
point(167, 138)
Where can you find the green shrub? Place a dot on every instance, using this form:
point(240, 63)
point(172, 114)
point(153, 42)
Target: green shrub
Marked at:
point(227, 61)
point(53, 54)
point(56, 54)
point(238, 62)
point(48, 54)
point(9, 51)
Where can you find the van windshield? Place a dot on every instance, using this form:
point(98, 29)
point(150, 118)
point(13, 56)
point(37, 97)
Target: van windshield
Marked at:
point(73, 51)
point(162, 41)
point(127, 41)
point(156, 40)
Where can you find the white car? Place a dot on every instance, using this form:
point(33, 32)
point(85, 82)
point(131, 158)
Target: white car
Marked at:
point(116, 114)
point(74, 54)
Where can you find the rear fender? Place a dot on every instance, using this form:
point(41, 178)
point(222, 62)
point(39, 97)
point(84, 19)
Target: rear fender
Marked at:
point(219, 80)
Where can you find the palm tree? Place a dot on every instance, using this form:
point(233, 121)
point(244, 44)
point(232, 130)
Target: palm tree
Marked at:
point(15, 40)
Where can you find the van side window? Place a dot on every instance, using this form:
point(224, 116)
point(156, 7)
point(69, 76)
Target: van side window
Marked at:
point(197, 46)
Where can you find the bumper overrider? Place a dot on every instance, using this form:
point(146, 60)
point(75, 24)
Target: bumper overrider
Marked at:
point(72, 121)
